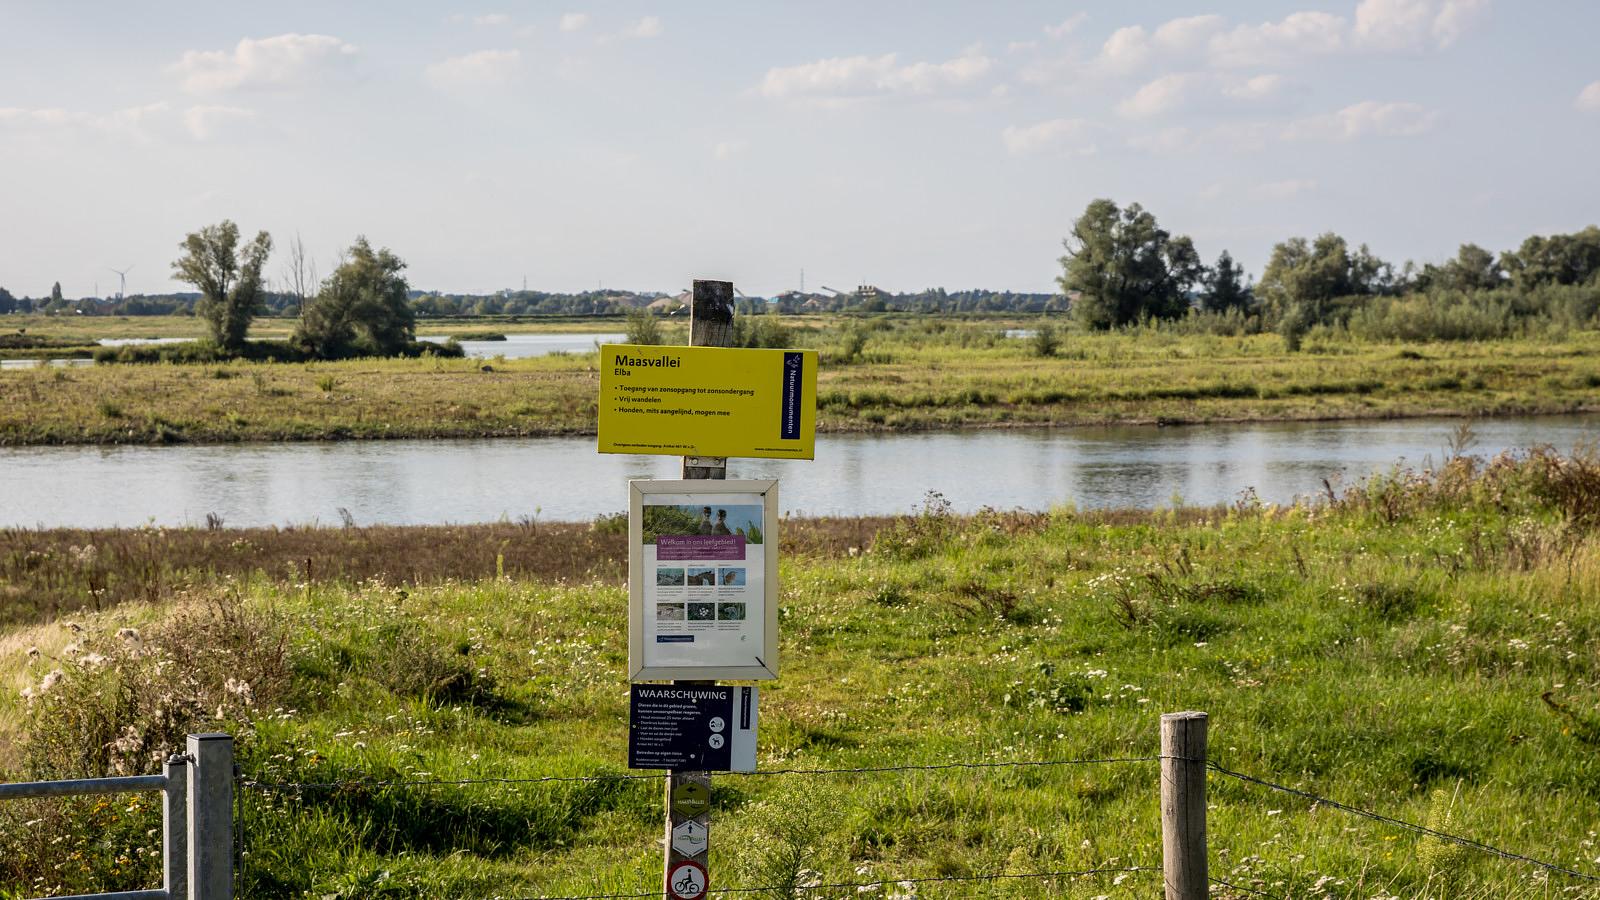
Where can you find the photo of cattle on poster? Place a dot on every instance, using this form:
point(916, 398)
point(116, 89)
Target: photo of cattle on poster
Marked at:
point(703, 573)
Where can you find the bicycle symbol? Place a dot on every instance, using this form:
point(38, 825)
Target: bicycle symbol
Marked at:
point(690, 885)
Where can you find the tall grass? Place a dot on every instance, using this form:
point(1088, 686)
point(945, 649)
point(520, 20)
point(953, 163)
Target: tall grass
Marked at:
point(46, 573)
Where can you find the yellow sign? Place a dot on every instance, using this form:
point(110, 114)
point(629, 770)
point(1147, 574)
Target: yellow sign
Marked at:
point(708, 401)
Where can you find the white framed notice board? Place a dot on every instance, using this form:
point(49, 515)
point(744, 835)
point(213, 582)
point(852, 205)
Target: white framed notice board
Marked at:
point(702, 580)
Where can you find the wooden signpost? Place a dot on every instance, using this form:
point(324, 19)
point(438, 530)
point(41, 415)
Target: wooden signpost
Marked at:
point(710, 325)
point(703, 592)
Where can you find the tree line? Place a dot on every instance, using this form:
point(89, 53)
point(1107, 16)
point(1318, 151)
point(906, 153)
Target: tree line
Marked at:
point(361, 309)
point(1122, 268)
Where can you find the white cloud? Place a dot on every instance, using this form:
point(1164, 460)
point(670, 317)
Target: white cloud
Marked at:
point(1208, 41)
point(574, 21)
point(1413, 24)
point(204, 122)
point(1187, 34)
point(1126, 50)
point(1022, 46)
point(1366, 119)
point(16, 115)
point(284, 61)
point(1274, 43)
point(1073, 136)
point(1196, 91)
point(1284, 190)
point(1589, 98)
point(1066, 26)
point(1160, 96)
point(647, 27)
point(1455, 17)
point(486, 68)
point(1211, 191)
point(1393, 24)
point(135, 117)
point(844, 79)
point(492, 20)
point(138, 122)
point(1176, 40)
point(1261, 87)
point(724, 150)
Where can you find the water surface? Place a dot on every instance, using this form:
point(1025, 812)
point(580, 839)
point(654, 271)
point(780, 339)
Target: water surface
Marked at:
point(522, 346)
point(564, 479)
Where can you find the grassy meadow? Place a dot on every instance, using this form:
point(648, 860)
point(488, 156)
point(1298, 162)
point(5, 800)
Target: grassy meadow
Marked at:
point(890, 373)
point(1426, 646)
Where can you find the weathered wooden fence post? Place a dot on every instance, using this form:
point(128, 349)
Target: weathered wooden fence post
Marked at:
point(710, 325)
point(211, 817)
point(1183, 806)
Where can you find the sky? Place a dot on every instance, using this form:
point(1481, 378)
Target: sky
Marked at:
point(910, 145)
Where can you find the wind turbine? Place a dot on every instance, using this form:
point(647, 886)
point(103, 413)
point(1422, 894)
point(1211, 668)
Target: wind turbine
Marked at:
point(122, 279)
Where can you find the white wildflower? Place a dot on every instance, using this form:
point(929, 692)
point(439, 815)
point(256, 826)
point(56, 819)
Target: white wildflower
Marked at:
point(51, 679)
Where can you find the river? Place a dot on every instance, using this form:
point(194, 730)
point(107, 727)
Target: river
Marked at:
point(564, 479)
point(515, 346)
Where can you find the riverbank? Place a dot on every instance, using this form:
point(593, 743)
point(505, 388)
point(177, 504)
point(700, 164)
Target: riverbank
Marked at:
point(1424, 648)
point(899, 375)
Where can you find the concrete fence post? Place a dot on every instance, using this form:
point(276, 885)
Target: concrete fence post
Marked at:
point(1183, 806)
point(211, 817)
point(175, 828)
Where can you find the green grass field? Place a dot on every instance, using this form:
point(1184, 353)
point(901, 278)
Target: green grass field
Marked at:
point(1425, 648)
point(886, 374)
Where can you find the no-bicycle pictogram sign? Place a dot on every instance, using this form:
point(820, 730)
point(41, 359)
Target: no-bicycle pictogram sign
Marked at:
point(686, 881)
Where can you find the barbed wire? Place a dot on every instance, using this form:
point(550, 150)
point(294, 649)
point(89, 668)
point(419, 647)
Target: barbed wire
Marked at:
point(1247, 890)
point(1409, 826)
point(858, 885)
point(291, 786)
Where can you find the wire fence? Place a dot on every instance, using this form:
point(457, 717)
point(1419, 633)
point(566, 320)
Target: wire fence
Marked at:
point(351, 784)
point(864, 886)
point(858, 887)
point(1435, 833)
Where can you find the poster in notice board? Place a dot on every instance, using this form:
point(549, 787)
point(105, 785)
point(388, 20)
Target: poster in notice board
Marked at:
point(702, 586)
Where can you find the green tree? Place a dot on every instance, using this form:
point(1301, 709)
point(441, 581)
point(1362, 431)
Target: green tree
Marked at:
point(361, 309)
point(1124, 267)
point(1225, 287)
point(8, 303)
point(1302, 279)
point(229, 281)
point(1557, 259)
point(1473, 269)
point(55, 293)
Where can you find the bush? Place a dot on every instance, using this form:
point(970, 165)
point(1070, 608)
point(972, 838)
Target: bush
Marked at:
point(642, 328)
point(1045, 340)
point(852, 341)
point(119, 704)
point(1437, 317)
point(761, 331)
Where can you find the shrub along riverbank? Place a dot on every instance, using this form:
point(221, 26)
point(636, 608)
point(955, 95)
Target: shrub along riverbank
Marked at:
point(1427, 646)
point(877, 375)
